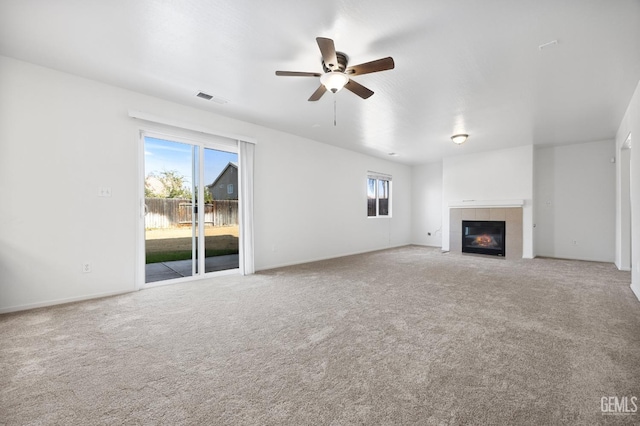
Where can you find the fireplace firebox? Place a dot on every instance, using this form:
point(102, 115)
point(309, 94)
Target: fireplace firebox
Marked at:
point(483, 237)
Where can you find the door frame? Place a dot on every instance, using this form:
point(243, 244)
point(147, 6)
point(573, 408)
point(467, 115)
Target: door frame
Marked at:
point(624, 255)
point(201, 142)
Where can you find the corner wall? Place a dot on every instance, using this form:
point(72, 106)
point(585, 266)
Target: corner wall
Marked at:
point(62, 137)
point(427, 205)
point(575, 201)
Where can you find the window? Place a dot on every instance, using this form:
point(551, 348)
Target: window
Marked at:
point(230, 189)
point(378, 195)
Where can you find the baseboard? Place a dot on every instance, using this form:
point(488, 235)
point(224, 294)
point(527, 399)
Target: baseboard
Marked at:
point(635, 291)
point(622, 268)
point(424, 245)
point(59, 301)
point(320, 259)
point(544, 256)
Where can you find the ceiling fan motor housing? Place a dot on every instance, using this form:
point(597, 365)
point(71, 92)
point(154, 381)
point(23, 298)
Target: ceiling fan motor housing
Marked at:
point(343, 60)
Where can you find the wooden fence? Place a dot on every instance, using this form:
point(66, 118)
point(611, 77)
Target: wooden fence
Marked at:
point(173, 212)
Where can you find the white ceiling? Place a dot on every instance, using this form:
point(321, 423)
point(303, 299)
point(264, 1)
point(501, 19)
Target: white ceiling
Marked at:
point(461, 65)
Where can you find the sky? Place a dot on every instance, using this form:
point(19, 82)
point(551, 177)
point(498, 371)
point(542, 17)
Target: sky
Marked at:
point(162, 155)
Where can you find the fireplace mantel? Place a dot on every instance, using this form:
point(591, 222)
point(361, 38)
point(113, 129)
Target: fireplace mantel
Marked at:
point(474, 204)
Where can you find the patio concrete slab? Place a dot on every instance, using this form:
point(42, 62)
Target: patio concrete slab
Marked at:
point(182, 268)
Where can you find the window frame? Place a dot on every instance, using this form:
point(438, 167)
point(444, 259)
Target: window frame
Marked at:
point(378, 178)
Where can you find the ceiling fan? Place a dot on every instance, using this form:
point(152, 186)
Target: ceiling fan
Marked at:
point(336, 73)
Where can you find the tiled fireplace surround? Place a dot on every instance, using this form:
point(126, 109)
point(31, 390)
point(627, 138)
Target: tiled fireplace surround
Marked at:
point(513, 222)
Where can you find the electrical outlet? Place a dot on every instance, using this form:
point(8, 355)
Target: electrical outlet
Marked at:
point(86, 267)
point(104, 191)
point(575, 243)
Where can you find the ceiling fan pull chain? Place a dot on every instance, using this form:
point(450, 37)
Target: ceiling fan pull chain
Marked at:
point(334, 110)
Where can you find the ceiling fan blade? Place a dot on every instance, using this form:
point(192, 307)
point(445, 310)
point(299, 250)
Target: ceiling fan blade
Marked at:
point(373, 66)
point(318, 93)
point(358, 89)
point(328, 50)
point(298, 74)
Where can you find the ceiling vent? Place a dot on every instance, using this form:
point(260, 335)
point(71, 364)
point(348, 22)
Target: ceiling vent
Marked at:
point(204, 96)
point(216, 99)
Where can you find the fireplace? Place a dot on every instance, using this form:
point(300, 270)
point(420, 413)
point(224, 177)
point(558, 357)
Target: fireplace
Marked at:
point(483, 237)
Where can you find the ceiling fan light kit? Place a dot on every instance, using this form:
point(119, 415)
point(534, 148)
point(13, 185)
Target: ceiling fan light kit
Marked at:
point(334, 81)
point(337, 74)
point(460, 138)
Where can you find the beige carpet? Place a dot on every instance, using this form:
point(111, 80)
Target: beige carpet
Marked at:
point(402, 336)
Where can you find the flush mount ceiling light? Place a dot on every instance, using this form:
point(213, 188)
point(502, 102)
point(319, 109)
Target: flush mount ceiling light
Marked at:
point(334, 80)
point(459, 138)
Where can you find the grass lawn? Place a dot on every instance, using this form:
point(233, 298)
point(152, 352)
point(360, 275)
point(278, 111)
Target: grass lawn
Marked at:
point(163, 245)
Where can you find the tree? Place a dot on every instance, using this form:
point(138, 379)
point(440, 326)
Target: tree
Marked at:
point(208, 197)
point(166, 184)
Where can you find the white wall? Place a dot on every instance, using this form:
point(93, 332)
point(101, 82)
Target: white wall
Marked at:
point(427, 205)
point(63, 137)
point(630, 125)
point(505, 174)
point(575, 201)
point(312, 202)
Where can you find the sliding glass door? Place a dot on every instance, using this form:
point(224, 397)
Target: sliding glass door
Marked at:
point(190, 209)
point(221, 210)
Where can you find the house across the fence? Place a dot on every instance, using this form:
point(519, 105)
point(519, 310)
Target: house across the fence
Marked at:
point(225, 186)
